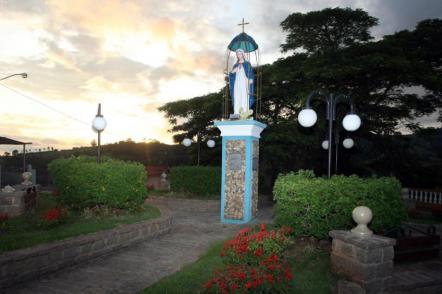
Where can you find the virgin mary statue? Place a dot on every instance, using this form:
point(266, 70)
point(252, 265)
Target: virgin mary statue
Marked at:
point(241, 84)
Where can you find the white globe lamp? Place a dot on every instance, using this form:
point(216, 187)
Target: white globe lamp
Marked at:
point(348, 143)
point(351, 122)
point(210, 143)
point(307, 117)
point(325, 144)
point(99, 124)
point(187, 142)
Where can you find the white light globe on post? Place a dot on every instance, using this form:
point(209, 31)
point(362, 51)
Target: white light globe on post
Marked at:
point(351, 122)
point(325, 144)
point(348, 143)
point(210, 143)
point(307, 117)
point(99, 124)
point(187, 142)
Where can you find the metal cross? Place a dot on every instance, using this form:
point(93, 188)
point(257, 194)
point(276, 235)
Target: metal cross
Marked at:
point(243, 24)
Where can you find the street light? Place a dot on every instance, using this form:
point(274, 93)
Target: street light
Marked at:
point(23, 75)
point(308, 117)
point(98, 125)
point(187, 142)
point(348, 143)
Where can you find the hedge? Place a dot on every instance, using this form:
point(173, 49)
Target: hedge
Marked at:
point(314, 206)
point(198, 180)
point(84, 183)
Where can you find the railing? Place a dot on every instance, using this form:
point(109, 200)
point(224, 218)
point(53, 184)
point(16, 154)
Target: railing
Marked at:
point(422, 195)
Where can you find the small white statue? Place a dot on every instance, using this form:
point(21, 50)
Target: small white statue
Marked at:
point(8, 189)
point(163, 177)
point(27, 178)
point(362, 215)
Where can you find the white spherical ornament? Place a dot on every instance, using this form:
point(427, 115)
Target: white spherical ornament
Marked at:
point(351, 122)
point(210, 143)
point(99, 124)
point(362, 215)
point(187, 142)
point(348, 143)
point(325, 144)
point(307, 117)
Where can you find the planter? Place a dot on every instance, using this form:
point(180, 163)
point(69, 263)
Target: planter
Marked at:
point(23, 264)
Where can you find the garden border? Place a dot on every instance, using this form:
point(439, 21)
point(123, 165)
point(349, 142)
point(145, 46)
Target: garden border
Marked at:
point(24, 264)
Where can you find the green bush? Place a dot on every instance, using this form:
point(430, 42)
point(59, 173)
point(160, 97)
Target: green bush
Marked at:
point(314, 206)
point(198, 180)
point(83, 183)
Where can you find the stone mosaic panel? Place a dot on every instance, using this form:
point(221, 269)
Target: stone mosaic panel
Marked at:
point(234, 186)
point(255, 155)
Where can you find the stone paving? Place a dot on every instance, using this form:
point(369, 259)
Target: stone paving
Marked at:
point(134, 268)
point(418, 277)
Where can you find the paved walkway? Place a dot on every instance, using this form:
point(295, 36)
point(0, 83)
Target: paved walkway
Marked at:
point(134, 268)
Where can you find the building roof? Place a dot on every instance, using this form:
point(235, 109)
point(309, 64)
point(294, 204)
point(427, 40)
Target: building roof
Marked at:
point(8, 141)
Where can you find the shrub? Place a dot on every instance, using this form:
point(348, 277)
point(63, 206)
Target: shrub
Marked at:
point(84, 183)
point(198, 180)
point(253, 264)
point(314, 206)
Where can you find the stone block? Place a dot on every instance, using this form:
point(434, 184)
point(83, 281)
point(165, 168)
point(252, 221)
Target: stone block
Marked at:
point(347, 287)
point(387, 254)
point(71, 253)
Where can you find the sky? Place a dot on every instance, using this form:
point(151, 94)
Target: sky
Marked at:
point(134, 56)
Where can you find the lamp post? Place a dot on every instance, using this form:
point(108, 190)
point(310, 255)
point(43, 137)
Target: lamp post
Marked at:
point(23, 75)
point(98, 125)
point(308, 117)
point(187, 142)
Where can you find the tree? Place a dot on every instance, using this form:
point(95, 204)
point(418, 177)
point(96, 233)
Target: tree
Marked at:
point(392, 82)
point(194, 117)
point(93, 143)
point(6, 153)
point(14, 152)
point(329, 29)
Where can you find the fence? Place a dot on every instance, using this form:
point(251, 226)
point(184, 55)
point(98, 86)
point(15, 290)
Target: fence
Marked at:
point(422, 195)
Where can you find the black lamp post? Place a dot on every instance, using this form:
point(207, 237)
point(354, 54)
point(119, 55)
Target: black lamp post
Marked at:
point(23, 75)
point(308, 117)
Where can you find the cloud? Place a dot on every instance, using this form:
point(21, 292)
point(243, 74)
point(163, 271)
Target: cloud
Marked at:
point(132, 56)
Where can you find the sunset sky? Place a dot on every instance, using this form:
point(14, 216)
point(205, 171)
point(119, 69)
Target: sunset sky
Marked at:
point(133, 56)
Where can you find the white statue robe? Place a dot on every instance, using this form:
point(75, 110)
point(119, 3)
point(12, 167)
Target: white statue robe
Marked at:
point(240, 91)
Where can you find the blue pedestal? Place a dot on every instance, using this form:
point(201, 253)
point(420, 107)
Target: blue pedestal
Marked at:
point(240, 159)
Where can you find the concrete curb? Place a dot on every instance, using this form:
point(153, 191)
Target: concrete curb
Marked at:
point(24, 264)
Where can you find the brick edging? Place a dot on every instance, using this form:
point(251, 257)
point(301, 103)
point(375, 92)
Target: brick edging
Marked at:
point(23, 264)
point(185, 204)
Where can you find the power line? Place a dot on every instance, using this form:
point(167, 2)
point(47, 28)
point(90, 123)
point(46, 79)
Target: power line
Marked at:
point(54, 109)
point(45, 105)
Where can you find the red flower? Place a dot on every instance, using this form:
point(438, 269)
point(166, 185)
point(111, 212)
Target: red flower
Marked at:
point(259, 252)
point(263, 227)
point(288, 274)
point(4, 217)
point(53, 214)
point(249, 285)
point(209, 284)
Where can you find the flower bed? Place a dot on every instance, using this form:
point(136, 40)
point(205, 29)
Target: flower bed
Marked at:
point(20, 265)
point(253, 263)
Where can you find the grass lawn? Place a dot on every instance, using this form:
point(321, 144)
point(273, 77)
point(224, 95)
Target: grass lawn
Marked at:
point(310, 268)
point(24, 231)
